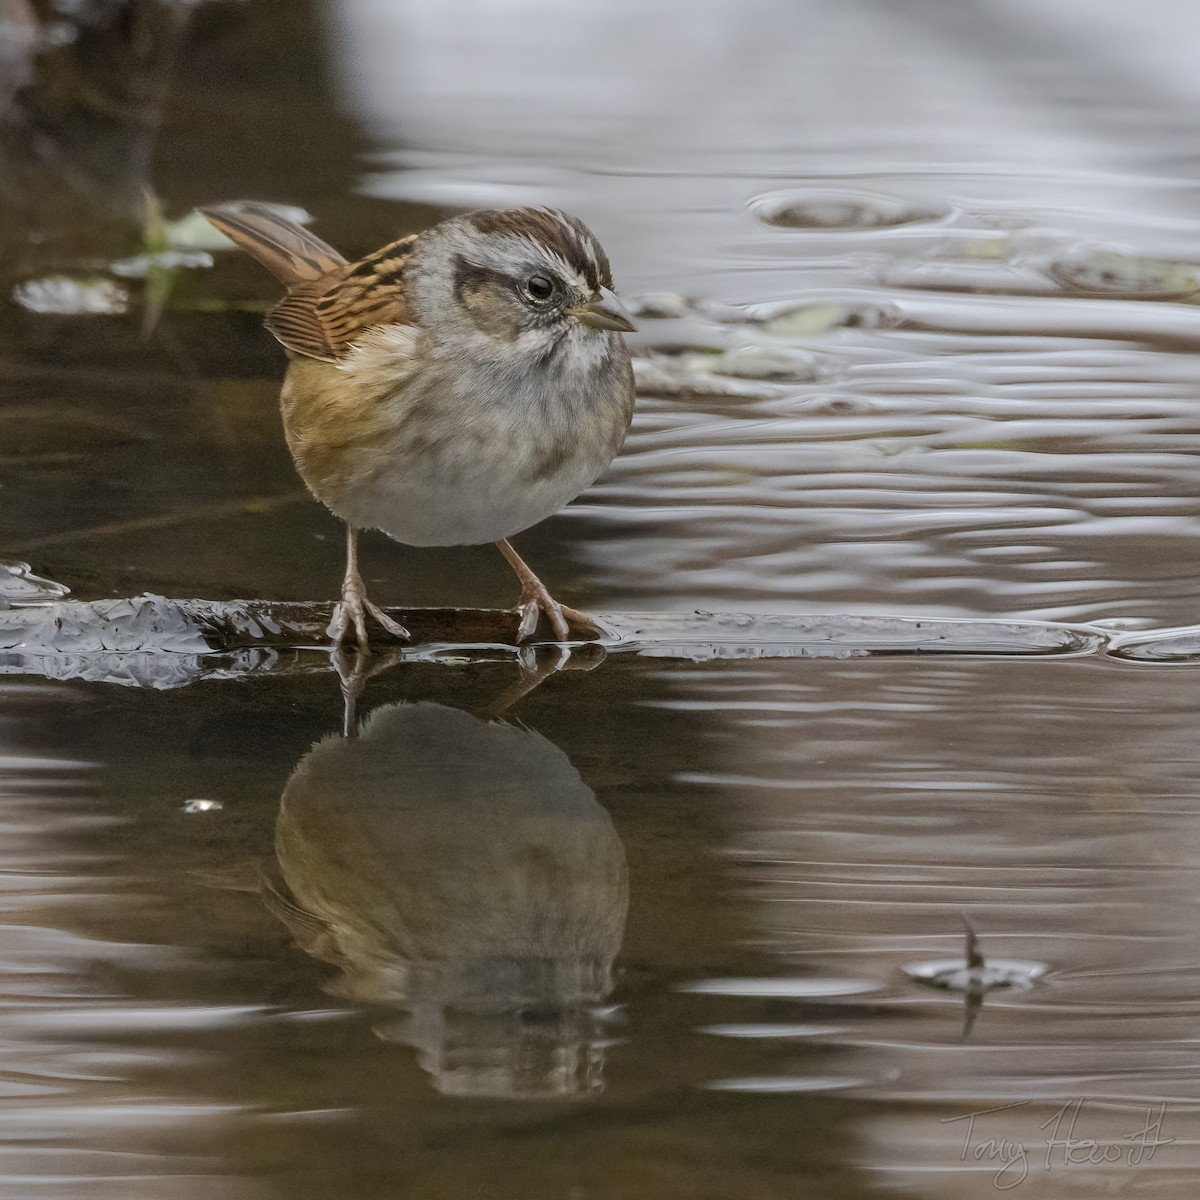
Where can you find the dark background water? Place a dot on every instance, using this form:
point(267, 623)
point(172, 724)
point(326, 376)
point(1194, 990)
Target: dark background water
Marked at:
point(960, 241)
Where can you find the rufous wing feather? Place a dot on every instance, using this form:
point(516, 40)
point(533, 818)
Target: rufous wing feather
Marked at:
point(324, 319)
point(330, 302)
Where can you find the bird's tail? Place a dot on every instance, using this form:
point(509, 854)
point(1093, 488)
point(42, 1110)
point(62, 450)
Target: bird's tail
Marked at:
point(287, 250)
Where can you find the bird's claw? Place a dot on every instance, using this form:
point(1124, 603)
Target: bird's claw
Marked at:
point(350, 615)
point(536, 600)
point(393, 627)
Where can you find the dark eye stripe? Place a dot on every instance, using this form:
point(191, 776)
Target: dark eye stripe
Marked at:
point(469, 277)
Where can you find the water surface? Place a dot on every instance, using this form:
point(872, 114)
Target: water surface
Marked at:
point(918, 338)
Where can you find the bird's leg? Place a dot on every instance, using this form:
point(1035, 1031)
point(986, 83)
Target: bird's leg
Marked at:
point(350, 613)
point(535, 600)
point(353, 671)
point(537, 664)
point(535, 669)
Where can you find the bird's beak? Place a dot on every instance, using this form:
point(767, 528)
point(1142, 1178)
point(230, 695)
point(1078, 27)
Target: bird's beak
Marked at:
point(605, 312)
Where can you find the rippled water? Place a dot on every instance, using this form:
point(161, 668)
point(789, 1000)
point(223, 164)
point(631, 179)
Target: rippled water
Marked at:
point(652, 939)
point(916, 287)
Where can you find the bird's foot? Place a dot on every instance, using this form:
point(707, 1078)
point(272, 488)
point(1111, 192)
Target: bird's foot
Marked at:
point(350, 616)
point(536, 600)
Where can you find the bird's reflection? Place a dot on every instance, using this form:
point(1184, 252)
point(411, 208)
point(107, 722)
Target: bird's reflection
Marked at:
point(468, 886)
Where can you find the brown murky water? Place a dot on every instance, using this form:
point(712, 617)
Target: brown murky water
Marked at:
point(919, 337)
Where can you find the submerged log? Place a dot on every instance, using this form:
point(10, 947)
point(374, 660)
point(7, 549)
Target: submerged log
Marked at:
point(158, 642)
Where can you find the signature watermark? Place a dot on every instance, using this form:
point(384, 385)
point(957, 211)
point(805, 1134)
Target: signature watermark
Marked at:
point(1062, 1143)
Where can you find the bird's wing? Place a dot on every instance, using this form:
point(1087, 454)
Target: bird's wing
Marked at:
point(325, 318)
point(330, 302)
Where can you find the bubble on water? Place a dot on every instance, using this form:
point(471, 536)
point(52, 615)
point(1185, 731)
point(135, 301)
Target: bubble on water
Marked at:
point(63, 295)
point(829, 209)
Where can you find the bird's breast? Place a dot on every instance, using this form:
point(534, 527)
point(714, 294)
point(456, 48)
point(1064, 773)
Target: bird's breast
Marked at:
point(454, 454)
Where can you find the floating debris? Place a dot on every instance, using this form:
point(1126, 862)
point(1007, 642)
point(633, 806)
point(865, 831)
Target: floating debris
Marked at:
point(745, 372)
point(660, 306)
point(809, 320)
point(973, 971)
point(813, 320)
point(201, 806)
point(974, 976)
point(142, 265)
point(1111, 273)
point(692, 375)
point(814, 317)
point(829, 210)
point(765, 362)
point(63, 295)
point(949, 274)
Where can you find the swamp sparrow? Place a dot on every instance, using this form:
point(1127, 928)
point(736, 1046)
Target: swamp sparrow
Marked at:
point(453, 388)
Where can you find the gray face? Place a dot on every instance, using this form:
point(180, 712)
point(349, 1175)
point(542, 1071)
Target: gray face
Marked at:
point(526, 295)
point(512, 275)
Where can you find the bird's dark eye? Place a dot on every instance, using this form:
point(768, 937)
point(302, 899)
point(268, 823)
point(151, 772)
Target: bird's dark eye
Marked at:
point(539, 288)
